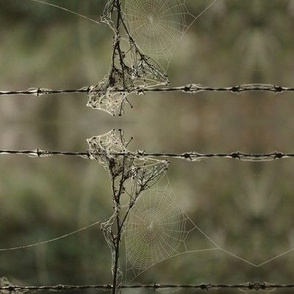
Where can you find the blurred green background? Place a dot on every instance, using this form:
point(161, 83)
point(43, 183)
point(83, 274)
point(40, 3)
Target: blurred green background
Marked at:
point(247, 208)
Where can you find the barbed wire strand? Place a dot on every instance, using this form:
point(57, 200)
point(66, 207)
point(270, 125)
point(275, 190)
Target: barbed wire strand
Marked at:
point(253, 286)
point(190, 88)
point(188, 156)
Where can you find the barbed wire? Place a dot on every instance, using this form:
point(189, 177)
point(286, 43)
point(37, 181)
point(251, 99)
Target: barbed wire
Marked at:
point(251, 286)
point(44, 153)
point(188, 156)
point(189, 88)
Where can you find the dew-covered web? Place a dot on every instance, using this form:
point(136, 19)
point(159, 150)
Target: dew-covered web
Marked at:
point(105, 148)
point(157, 26)
point(156, 229)
point(138, 171)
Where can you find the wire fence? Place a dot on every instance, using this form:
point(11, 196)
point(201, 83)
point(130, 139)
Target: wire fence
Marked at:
point(133, 72)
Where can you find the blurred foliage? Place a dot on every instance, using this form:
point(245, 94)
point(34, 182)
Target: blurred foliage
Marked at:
point(245, 207)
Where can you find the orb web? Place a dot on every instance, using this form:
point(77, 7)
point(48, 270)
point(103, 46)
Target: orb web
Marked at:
point(157, 26)
point(156, 229)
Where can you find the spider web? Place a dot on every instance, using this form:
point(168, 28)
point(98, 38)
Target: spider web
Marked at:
point(103, 147)
point(102, 97)
point(157, 26)
point(131, 73)
point(110, 150)
point(156, 229)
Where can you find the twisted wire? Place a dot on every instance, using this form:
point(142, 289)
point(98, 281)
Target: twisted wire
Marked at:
point(188, 156)
point(190, 88)
point(252, 286)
